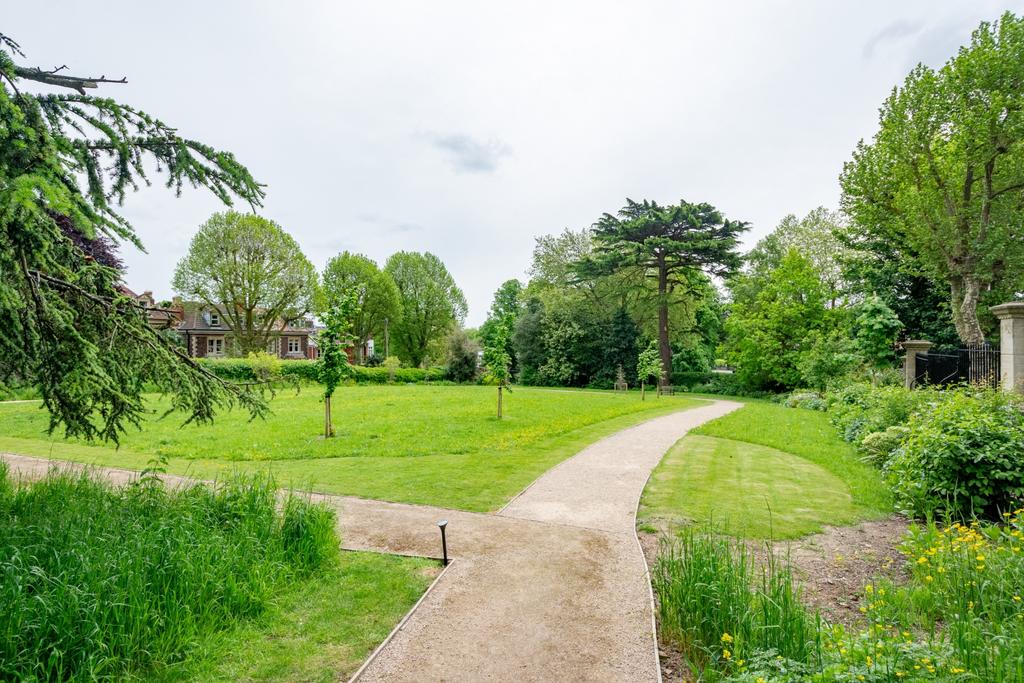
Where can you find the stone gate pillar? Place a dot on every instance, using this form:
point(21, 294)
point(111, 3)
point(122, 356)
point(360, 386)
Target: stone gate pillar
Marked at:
point(1011, 345)
point(912, 348)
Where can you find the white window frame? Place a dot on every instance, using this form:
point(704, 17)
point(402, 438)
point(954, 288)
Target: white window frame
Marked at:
point(273, 346)
point(215, 346)
point(214, 319)
point(298, 345)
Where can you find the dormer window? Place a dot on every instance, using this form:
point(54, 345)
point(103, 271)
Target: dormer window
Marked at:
point(214, 319)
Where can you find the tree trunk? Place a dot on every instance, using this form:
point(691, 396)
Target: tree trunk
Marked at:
point(328, 427)
point(358, 352)
point(499, 401)
point(965, 292)
point(641, 390)
point(664, 347)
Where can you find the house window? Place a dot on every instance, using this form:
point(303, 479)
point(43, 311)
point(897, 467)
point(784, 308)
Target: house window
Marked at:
point(293, 345)
point(214, 319)
point(272, 346)
point(215, 346)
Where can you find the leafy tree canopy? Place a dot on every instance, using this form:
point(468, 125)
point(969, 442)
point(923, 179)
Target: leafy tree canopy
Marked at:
point(377, 298)
point(432, 304)
point(250, 269)
point(501, 319)
point(667, 244)
point(67, 162)
point(945, 172)
point(767, 338)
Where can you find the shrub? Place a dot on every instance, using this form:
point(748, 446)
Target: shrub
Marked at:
point(462, 358)
point(689, 379)
point(104, 582)
point(265, 367)
point(878, 447)
point(807, 400)
point(963, 456)
point(241, 370)
point(859, 409)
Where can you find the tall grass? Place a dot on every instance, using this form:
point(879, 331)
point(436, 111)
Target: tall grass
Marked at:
point(959, 617)
point(101, 582)
point(722, 606)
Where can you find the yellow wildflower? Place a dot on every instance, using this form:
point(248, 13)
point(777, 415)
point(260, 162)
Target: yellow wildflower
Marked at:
point(726, 638)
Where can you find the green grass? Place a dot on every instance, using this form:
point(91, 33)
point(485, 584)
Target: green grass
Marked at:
point(435, 445)
point(809, 435)
point(319, 629)
point(763, 471)
point(100, 581)
point(753, 491)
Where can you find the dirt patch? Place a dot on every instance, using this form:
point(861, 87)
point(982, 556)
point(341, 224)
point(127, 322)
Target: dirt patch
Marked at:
point(832, 568)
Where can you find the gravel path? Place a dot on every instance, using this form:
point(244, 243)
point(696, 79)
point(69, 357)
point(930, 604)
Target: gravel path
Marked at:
point(552, 588)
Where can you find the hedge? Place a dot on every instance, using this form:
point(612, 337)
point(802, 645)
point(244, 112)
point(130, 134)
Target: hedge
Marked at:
point(240, 370)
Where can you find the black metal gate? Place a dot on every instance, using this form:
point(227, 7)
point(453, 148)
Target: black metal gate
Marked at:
point(971, 365)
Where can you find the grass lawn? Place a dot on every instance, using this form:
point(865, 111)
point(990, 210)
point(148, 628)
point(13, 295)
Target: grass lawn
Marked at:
point(435, 445)
point(319, 629)
point(763, 470)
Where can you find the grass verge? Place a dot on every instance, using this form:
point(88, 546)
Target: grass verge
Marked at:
point(414, 444)
point(809, 435)
point(752, 490)
point(317, 629)
point(101, 581)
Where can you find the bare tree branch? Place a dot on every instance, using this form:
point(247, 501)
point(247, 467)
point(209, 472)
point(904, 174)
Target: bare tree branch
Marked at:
point(54, 78)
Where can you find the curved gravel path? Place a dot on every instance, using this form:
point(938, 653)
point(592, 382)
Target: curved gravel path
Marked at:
point(552, 588)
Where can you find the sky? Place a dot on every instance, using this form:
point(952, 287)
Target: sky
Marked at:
point(468, 129)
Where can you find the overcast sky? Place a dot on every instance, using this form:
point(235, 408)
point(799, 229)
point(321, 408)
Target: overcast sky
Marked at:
point(468, 128)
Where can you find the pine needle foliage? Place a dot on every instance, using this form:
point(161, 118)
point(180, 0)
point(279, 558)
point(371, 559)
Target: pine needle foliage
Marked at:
point(67, 325)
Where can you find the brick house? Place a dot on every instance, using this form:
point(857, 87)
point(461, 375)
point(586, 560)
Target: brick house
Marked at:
point(206, 333)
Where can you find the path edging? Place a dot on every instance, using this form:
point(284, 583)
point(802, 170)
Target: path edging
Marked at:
point(408, 615)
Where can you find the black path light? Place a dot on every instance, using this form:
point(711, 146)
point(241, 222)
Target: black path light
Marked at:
point(444, 543)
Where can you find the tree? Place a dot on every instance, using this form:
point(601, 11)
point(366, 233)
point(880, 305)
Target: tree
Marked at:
point(501, 319)
point(648, 365)
point(377, 298)
point(883, 264)
point(432, 304)
point(768, 337)
point(875, 330)
point(250, 270)
point(945, 172)
point(817, 236)
point(462, 357)
point(497, 360)
point(332, 366)
point(665, 244)
point(67, 161)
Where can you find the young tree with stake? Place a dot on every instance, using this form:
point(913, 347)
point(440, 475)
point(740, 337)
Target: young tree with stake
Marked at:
point(648, 364)
point(332, 366)
point(498, 362)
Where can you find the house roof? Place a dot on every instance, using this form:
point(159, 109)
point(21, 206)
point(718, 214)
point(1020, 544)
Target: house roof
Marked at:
point(193, 318)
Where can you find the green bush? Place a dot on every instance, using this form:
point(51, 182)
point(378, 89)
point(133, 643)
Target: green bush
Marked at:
point(689, 379)
point(728, 384)
point(859, 409)
point(101, 582)
point(808, 400)
point(963, 456)
point(878, 447)
point(241, 370)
